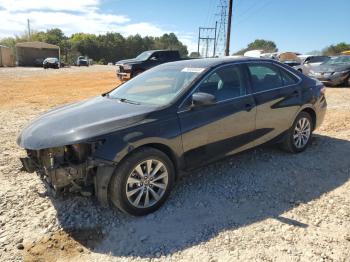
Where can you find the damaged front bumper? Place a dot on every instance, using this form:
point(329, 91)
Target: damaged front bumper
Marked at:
point(70, 169)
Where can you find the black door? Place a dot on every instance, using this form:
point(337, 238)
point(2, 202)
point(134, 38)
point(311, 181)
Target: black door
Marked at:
point(223, 128)
point(277, 96)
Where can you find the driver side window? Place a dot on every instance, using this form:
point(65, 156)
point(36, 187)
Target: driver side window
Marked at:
point(225, 83)
point(154, 57)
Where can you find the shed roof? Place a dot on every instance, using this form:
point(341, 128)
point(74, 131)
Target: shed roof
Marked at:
point(37, 44)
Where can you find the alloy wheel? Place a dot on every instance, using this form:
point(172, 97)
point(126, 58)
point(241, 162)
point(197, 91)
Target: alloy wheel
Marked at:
point(147, 183)
point(302, 132)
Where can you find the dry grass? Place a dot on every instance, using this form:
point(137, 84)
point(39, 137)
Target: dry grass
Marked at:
point(50, 88)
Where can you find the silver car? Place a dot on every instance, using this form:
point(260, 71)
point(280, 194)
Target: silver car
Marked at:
point(310, 62)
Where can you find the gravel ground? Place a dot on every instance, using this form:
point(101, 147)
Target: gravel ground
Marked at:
point(261, 205)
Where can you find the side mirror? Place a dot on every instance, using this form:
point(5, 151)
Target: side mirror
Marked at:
point(202, 99)
point(153, 58)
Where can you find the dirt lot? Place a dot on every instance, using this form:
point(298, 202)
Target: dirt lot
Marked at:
point(261, 205)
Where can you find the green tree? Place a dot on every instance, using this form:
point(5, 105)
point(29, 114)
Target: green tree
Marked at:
point(109, 47)
point(171, 42)
point(336, 49)
point(259, 44)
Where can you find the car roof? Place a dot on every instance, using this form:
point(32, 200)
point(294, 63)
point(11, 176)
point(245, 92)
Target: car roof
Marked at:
point(212, 62)
point(161, 50)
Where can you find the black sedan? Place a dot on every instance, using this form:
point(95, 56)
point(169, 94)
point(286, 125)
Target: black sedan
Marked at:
point(51, 62)
point(129, 146)
point(335, 71)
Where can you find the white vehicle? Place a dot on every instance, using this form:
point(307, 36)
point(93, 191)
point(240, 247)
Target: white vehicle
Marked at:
point(260, 54)
point(254, 53)
point(82, 61)
point(309, 62)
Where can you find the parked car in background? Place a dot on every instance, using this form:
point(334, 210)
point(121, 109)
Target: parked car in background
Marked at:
point(289, 58)
point(82, 61)
point(335, 71)
point(129, 145)
point(51, 62)
point(130, 68)
point(309, 62)
point(292, 63)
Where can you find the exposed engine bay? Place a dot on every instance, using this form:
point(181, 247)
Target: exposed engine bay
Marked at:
point(68, 168)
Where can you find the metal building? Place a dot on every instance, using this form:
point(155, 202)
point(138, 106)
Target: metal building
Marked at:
point(34, 53)
point(6, 56)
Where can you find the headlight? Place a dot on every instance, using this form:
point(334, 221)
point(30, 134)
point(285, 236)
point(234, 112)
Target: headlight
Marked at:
point(341, 72)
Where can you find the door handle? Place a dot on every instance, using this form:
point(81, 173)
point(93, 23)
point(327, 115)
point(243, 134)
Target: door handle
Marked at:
point(248, 107)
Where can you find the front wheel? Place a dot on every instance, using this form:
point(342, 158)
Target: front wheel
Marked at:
point(142, 182)
point(299, 135)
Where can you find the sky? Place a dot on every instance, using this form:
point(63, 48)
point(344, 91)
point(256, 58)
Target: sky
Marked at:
point(294, 25)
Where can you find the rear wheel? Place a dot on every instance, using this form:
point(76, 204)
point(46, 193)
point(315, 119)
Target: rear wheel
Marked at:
point(142, 182)
point(347, 82)
point(299, 135)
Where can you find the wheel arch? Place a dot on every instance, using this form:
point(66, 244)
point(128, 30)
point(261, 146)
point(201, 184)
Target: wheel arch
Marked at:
point(166, 150)
point(312, 113)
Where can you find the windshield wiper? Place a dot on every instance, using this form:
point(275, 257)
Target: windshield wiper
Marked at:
point(124, 100)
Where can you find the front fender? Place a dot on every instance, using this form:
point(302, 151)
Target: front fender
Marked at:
point(118, 145)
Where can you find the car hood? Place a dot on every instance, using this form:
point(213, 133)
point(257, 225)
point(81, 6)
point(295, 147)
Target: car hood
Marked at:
point(78, 122)
point(332, 68)
point(129, 61)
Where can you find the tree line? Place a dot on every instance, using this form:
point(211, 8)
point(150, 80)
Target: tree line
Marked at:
point(111, 47)
point(271, 47)
point(102, 48)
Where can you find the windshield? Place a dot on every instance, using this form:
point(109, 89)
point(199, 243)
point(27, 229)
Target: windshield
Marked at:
point(158, 86)
point(144, 56)
point(51, 59)
point(338, 60)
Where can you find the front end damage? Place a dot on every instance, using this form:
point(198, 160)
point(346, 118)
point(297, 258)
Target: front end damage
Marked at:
point(66, 169)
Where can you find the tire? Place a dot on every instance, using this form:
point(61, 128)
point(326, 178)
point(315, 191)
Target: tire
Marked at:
point(297, 141)
point(347, 82)
point(128, 190)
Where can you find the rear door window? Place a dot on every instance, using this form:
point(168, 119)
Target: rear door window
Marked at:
point(287, 78)
point(318, 59)
point(265, 77)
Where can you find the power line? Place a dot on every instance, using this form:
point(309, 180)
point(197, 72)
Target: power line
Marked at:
point(259, 8)
point(209, 17)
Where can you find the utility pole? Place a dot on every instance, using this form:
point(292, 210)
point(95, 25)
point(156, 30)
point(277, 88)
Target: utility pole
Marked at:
point(28, 25)
point(209, 36)
point(216, 27)
point(228, 35)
